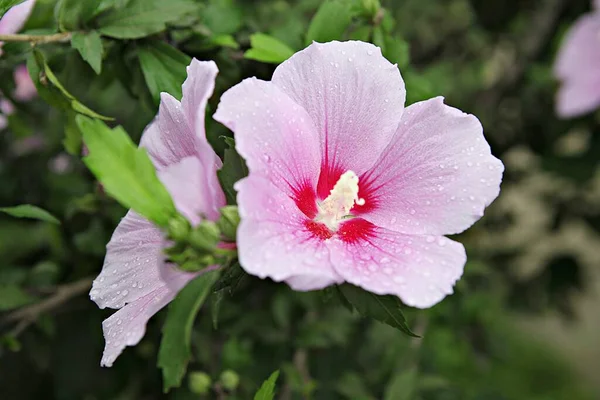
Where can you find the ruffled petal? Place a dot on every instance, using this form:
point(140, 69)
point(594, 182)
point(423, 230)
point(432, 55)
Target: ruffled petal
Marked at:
point(421, 270)
point(436, 176)
point(127, 326)
point(178, 132)
point(275, 136)
point(274, 239)
point(355, 98)
point(134, 265)
point(14, 19)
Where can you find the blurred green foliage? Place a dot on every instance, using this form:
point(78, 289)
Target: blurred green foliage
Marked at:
point(492, 59)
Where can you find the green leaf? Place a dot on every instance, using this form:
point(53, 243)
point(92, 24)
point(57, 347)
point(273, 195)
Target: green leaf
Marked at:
point(397, 51)
point(41, 73)
point(330, 22)
point(386, 309)
point(89, 46)
point(5, 5)
point(74, 14)
point(164, 68)
point(140, 18)
point(267, 49)
point(222, 17)
point(72, 141)
point(12, 297)
point(232, 276)
point(125, 171)
point(224, 41)
point(234, 168)
point(29, 211)
point(175, 351)
point(267, 390)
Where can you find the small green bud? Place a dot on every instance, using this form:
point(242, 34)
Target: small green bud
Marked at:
point(179, 228)
point(199, 382)
point(371, 7)
point(205, 237)
point(228, 222)
point(230, 380)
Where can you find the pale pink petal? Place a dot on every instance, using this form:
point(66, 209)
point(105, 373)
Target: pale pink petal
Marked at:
point(355, 98)
point(15, 18)
point(134, 265)
point(24, 88)
point(178, 132)
point(421, 270)
point(170, 137)
point(273, 239)
point(578, 96)
point(127, 326)
point(274, 134)
point(578, 67)
point(596, 4)
point(436, 176)
point(185, 183)
point(3, 122)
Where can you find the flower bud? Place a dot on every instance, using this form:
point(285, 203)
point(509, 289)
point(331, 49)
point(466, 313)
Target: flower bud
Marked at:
point(179, 228)
point(205, 236)
point(228, 222)
point(230, 380)
point(199, 382)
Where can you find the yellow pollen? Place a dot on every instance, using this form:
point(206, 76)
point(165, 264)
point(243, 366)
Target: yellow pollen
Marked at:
point(340, 201)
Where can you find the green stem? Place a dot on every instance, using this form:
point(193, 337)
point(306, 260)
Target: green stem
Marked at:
point(37, 39)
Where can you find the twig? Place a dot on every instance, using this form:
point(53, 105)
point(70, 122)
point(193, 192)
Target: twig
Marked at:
point(28, 315)
point(37, 39)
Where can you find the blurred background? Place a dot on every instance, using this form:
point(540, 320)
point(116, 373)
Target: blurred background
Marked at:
point(523, 322)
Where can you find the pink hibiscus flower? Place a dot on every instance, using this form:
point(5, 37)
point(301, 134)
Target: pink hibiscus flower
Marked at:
point(14, 19)
point(135, 277)
point(346, 185)
point(578, 67)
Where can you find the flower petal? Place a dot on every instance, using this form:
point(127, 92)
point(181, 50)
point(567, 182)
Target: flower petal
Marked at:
point(178, 132)
point(170, 137)
point(197, 89)
point(127, 326)
point(436, 176)
point(577, 67)
point(354, 96)
point(421, 270)
point(134, 265)
point(275, 135)
point(14, 19)
point(185, 183)
point(579, 53)
point(578, 97)
point(274, 241)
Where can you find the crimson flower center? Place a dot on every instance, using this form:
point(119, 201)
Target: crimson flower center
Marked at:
point(336, 207)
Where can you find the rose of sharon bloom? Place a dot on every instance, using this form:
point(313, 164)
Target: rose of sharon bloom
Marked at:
point(346, 185)
point(135, 277)
point(14, 19)
point(578, 67)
